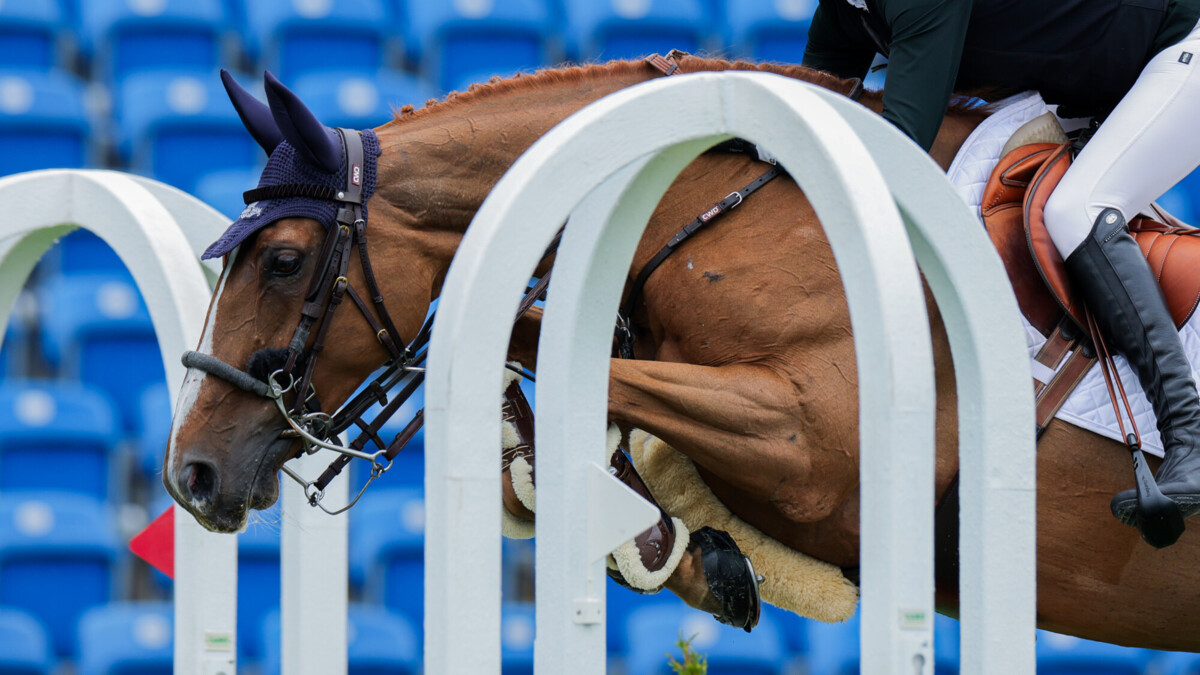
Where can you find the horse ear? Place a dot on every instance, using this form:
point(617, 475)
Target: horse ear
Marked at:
point(318, 143)
point(254, 113)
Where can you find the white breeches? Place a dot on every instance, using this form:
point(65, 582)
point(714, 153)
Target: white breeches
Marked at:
point(1149, 143)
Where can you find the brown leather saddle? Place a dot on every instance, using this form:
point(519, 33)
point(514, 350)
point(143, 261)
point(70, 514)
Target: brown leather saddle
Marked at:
point(1012, 208)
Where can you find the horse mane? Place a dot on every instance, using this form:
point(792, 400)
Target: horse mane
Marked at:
point(553, 77)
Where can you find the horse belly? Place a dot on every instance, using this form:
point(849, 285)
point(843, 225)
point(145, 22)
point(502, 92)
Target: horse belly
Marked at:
point(1096, 578)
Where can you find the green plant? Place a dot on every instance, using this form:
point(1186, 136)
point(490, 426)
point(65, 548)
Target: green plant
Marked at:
point(693, 663)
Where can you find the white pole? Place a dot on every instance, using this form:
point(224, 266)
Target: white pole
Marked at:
point(314, 576)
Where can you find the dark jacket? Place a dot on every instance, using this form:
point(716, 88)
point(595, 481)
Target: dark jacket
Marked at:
point(1083, 54)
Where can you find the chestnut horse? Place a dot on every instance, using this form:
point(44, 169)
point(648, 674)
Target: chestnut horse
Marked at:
point(745, 356)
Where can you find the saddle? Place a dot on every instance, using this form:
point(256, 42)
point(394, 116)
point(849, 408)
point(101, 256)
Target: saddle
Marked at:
point(1013, 207)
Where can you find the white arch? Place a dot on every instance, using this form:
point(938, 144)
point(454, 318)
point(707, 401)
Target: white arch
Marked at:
point(159, 233)
point(141, 220)
point(624, 151)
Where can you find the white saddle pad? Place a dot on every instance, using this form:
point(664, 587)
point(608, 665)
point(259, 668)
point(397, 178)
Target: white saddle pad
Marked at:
point(1089, 406)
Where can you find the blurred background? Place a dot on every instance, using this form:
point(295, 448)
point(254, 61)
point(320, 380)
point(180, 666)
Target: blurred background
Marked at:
point(132, 85)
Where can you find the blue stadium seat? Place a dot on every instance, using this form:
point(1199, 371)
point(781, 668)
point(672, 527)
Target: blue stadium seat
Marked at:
point(769, 30)
point(43, 121)
point(653, 632)
point(407, 472)
point(177, 126)
point(621, 603)
point(153, 429)
point(408, 469)
point(127, 638)
point(97, 329)
point(258, 578)
point(457, 43)
point(57, 557)
point(517, 564)
point(625, 29)
point(1175, 663)
point(29, 33)
point(360, 100)
point(387, 538)
point(65, 425)
point(126, 36)
point(1183, 200)
point(834, 648)
point(516, 638)
point(379, 642)
point(14, 351)
point(223, 189)
point(792, 628)
point(24, 645)
point(1065, 655)
point(293, 37)
point(82, 252)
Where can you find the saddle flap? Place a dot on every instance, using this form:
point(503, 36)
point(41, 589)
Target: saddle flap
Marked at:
point(1046, 258)
point(1004, 218)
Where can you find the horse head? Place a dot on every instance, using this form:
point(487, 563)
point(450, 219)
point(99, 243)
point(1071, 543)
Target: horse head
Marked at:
point(292, 256)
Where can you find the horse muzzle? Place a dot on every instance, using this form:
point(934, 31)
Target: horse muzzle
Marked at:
point(220, 495)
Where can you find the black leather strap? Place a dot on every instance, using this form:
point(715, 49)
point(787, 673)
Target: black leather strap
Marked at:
point(290, 190)
point(625, 346)
point(352, 141)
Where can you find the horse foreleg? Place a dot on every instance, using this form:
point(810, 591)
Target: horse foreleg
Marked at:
point(775, 452)
point(762, 435)
point(522, 346)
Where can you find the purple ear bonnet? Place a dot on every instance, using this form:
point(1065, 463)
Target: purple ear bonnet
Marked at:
point(285, 167)
point(279, 129)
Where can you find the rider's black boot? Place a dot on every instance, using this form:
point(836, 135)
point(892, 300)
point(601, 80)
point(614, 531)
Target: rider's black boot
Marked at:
point(1111, 274)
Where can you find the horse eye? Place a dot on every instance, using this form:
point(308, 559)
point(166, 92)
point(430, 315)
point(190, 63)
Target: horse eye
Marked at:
point(285, 263)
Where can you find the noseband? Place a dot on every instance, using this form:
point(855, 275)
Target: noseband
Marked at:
point(330, 285)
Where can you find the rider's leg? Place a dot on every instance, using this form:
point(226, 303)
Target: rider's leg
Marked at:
point(1146, 145)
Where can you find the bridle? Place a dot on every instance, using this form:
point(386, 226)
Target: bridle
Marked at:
point(330, 286)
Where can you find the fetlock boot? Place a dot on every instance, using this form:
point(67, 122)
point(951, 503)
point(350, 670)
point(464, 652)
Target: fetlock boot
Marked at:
point(645, 563)
point(1110, 272)
point(516, 463)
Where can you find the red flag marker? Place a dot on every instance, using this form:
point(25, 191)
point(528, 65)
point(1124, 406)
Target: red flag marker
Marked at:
point(156, 543)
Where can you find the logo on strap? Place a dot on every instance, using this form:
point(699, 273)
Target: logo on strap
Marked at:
point(356, 174)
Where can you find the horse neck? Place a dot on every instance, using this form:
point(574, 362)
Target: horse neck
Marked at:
point(438, 165)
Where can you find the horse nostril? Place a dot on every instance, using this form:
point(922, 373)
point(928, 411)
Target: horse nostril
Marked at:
point(200, 481)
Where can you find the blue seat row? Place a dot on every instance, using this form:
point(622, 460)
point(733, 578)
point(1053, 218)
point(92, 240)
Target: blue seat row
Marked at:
point(57, 436)
point(125, 638)
point(129, 637)
point(96, 329)
point(175, 125)
point(450, 41)
point(58, 558)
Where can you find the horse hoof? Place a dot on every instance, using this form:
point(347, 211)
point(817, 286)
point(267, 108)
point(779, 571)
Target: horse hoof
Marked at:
point(731, 578)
